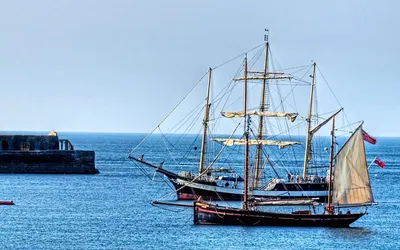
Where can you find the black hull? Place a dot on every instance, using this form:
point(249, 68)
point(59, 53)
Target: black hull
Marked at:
point(189, 193)
point(192, 193)
point(211, 191)
point(205, 214)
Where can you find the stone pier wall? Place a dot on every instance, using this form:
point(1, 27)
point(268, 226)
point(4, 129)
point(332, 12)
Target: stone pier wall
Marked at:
point(48, 162)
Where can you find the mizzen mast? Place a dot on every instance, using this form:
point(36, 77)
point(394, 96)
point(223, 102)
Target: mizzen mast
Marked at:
point(308, 139)
point(205, 123)
point(329, 209)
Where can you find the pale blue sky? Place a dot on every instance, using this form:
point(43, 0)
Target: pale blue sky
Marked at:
point(102, 66)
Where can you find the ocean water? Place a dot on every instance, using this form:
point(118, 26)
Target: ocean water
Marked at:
point(112, 210)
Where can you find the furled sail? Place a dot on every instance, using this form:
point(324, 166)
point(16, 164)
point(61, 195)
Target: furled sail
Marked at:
point(276, 77)
point(291, 116)
point(280, 144)
point(351, 183)
point(297, 202)
point(314, 130)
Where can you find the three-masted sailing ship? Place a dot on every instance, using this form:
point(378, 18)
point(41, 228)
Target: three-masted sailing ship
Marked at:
point(224, 183)
point(350, 187)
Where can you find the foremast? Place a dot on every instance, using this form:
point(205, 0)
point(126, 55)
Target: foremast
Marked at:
point(246, 138)
point(261, 118)
point(205, 124)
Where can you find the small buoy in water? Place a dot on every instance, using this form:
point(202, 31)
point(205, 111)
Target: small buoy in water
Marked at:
point(195, 148)
point(375, 175)
point(7, 203)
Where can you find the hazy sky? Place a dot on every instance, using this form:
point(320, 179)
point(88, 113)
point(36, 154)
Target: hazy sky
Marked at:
point(102, 66)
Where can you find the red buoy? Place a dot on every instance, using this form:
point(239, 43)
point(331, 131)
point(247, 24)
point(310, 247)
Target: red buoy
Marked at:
point(7, 203)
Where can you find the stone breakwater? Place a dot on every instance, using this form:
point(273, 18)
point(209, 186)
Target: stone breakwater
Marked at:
point(43, 154)
point(48, 162)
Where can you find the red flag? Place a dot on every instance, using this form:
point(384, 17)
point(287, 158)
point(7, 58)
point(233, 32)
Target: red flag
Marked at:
point(378, 162)
point(368, 138)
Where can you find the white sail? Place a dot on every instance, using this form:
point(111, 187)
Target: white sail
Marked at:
point(280, 144)
point(351, 183)
point(291, 116)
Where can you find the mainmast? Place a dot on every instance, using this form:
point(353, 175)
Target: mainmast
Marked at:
point(308, 139)
point(330, 210)
point(205, 123)
point(261, 118)
point(246, 137)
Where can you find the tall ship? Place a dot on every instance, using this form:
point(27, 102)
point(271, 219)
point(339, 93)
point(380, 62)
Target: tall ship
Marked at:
point(282, 164)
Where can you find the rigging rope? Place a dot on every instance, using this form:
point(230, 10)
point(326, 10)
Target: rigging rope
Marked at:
point(204, 171)
point(236, 57)
point(337, 100)
point(147, 136)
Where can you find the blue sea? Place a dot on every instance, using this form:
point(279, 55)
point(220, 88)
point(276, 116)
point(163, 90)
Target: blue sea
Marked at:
point(112, 210)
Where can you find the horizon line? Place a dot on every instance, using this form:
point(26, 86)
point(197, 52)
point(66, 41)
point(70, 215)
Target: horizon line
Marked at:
point(131, 132)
